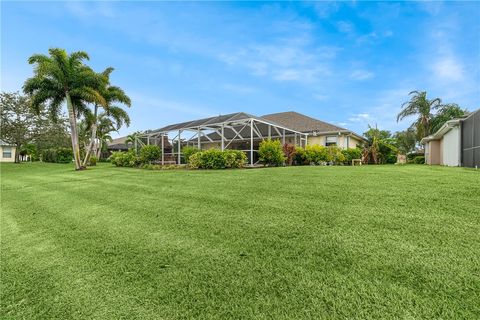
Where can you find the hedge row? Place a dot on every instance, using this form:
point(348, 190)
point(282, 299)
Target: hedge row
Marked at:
point(57, 155)
point(217, 159)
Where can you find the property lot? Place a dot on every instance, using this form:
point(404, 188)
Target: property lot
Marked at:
point(278, 243)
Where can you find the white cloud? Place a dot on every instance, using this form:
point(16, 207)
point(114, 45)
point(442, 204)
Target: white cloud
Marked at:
point(345, 26)
point(361, 75)
point(448, 69)
point(286, 60)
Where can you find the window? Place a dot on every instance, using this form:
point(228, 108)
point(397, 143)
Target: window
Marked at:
point(347, 139)
point(331, 141)
point(7, 152)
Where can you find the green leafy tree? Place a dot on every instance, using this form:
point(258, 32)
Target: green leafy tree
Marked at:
point(406, 140)
point(446, 112)
point(112, 95)
point(421, 107)
point(61, 77)
point(17, 125)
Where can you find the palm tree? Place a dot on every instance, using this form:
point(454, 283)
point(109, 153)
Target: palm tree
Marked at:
point(109, 122)
point(111, 94)
point(62, 77)
point(132, 138)
point(420, 106)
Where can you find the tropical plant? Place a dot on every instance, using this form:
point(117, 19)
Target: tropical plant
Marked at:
point(132, 138)
point(117, 115)
point(61, 77)
point(421, 107)
point(379, 147)
point(270, 152)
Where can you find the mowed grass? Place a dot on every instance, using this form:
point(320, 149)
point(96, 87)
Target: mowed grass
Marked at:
point(364, 242)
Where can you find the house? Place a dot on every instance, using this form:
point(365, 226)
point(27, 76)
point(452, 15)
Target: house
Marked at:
point(456, 143)
point(243, 131)
point(7, 152)
point(318, 132)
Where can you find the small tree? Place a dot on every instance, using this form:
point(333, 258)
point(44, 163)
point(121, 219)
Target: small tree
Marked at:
point(17, 125)
point(270, 153)
point(289, 152)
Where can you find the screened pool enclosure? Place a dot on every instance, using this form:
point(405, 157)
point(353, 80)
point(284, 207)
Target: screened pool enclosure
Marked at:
point(238, 131)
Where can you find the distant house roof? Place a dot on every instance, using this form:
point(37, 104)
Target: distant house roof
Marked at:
point(306, 124)
point(118, 144)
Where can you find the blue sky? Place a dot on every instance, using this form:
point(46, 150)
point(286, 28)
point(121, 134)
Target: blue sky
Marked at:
point(348, 63)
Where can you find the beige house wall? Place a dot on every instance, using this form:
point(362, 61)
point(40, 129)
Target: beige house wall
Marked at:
point(433, 152)
point(12, 158)
point(342, 140)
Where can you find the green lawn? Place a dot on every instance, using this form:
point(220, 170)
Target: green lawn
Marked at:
point(283, 243)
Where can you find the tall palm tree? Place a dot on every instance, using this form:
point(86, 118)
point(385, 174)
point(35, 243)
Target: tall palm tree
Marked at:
point(61, 77)
point(112, 95)
point(420, 106)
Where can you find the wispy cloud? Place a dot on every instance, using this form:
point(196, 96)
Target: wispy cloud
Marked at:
point(448, 69)
point(345, 26)
point(361, 75)
point(86, 10)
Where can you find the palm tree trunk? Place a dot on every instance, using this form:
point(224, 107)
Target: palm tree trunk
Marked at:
point(92, 138)
point(73, 133)
point(99, 150)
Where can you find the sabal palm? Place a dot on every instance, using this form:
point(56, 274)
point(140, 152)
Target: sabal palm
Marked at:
point(112, 95)
point(419, 105)
point(61, 77)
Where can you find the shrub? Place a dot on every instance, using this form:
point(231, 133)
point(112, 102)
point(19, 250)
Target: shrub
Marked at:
point(58, 155)
point(289, 152)
point(124, 159)
point(300, 157)
point(188, 151)
point(217, 159)
point(350, 154)
point(419, 160)
point(149, 153)
point(93, 161)
point(316, 154)
point(335, 155)
point(270, 153)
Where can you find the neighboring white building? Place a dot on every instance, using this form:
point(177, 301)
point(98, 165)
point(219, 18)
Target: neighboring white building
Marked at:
point(456, 143)
point(7, 152)
point(443, 147)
